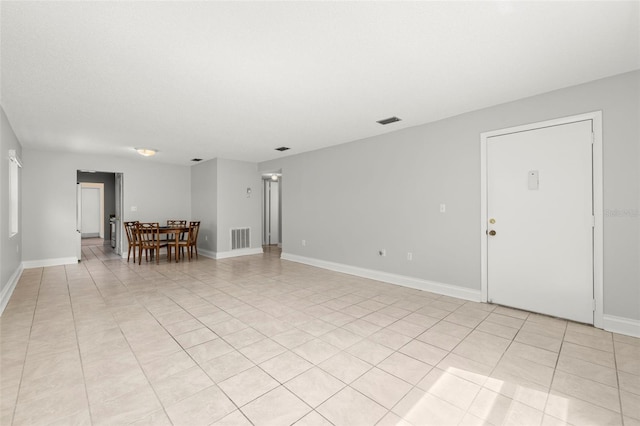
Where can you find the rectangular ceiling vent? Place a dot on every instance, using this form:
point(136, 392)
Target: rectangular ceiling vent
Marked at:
point(282, 148)
point(240, 238)
point(388, 120)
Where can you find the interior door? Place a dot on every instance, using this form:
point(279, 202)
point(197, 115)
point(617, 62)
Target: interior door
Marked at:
point(271, 212)
point(91, 212)
point(118, 207)
point(78, 221)
point(274, 214)
point(540, 213)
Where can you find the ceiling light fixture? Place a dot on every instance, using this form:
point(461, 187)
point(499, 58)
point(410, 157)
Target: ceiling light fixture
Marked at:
point(147, 152)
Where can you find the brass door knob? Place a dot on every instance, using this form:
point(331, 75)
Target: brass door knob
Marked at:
point(492, 232)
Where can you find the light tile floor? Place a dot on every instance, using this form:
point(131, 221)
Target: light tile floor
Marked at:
point(258, 340)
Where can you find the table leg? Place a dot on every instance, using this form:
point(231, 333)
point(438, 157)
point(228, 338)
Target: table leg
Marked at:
point(177, 236)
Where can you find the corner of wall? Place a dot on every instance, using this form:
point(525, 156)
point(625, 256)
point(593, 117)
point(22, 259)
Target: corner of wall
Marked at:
point(626, 326)
point(9, 287)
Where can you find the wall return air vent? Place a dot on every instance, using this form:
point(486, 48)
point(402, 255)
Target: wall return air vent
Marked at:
point(240, 238)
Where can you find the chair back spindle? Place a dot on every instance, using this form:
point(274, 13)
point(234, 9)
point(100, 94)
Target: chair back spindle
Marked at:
point(149, 238)
point(130, 229)
point(176, 223)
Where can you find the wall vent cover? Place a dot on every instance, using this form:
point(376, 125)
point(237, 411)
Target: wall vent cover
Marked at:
point(388, 120)
point(240, 238)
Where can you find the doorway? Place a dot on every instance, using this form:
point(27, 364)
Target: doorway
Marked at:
point(271, 211)
point(541, 218)
point(101, 234)
point(92, 210)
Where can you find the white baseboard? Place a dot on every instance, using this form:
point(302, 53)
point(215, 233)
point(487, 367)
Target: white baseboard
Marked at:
point(9, 287)
point(27, 264)
point(405, 281)
point(236, 253)
point(620, 325)
point(207, 253)
point(222, 255)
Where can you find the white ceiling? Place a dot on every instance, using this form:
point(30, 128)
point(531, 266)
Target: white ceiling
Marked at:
point(238, 79)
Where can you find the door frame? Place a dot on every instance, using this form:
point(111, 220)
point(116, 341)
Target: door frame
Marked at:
point(266, 204)
point(119, 186)
point(598, 207)
point(119, 196)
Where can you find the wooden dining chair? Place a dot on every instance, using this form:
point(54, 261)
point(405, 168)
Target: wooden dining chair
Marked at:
point(191, 242)
point(176, 223)
point(132, 238)
point(149, 238)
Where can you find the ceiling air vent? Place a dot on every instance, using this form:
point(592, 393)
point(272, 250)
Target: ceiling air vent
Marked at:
point(282, 148)
point(196, 159)
point(388, 120)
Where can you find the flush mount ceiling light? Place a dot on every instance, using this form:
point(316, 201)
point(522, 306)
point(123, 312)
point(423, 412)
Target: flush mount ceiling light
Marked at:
point(388, 120)
point(147, 152)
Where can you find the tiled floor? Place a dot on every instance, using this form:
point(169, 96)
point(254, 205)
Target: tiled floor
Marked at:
point(95, 248)
point(256, 340)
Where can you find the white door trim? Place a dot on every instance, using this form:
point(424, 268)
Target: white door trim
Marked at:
point(598, 206)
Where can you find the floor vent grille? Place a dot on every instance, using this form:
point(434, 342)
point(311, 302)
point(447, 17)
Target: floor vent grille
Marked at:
point(240, 238)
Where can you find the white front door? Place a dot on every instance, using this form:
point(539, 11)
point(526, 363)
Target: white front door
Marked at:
point(540, 220)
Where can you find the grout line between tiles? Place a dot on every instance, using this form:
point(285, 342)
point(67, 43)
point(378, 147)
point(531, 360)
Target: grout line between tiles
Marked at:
point(75, 329)
point(26, 351)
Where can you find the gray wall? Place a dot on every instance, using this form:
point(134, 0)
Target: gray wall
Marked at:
point(109, 181)
point(219, 200)
point(350, 200)
point(235, 208)
point(159, 191)
point(10, 248)
point(204, 195)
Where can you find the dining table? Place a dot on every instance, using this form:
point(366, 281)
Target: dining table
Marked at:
point(177, 231)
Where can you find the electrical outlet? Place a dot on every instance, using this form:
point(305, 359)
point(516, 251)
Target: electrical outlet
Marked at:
point(206, 237)
point(443, 208)
point(382, 252)
point(409, 256)
point(304, 243)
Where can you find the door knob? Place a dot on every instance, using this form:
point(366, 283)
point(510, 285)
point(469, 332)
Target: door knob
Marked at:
point(492, 232)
